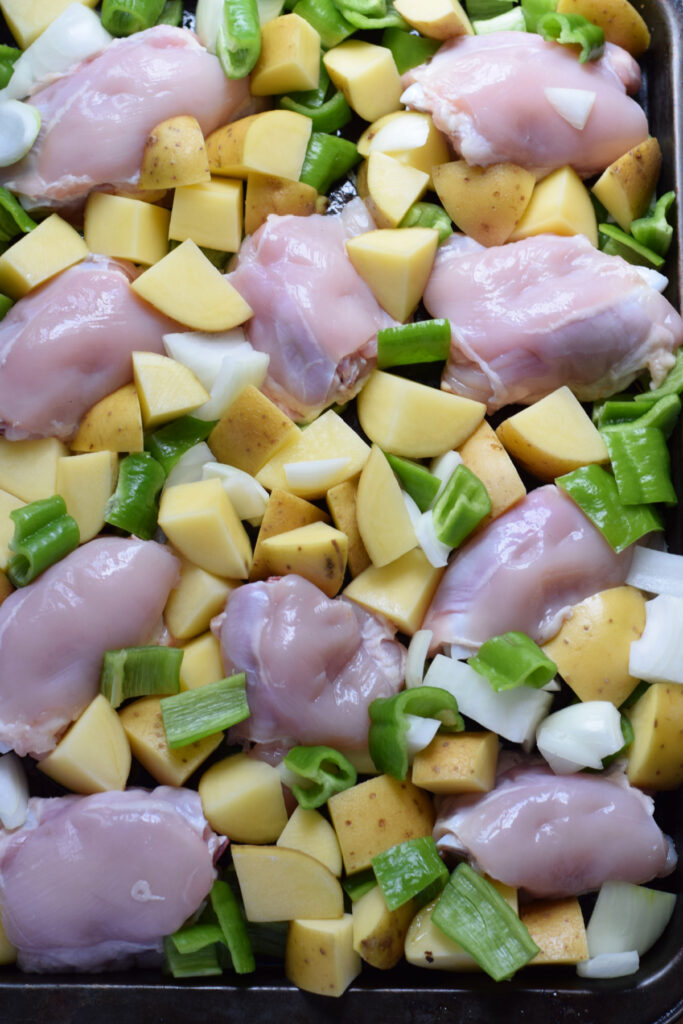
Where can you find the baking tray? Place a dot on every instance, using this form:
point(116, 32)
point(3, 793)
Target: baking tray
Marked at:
point(542, 995)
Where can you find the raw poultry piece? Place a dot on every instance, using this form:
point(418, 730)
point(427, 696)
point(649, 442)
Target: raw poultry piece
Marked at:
point(313, 663)
point(556, 835)
point(313, 314)
point(107, 594)
point(68, 343)
point(523, 572)
point(92, 882)
point(96, 118)
point(531, 316)
point(487, 94)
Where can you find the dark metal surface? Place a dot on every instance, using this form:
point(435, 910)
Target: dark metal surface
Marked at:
point(539, 996)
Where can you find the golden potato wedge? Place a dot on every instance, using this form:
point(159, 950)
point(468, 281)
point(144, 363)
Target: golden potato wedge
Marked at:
point(94, 754)
point(242, 798)
point(271, 193)
point(279, 884)
point(289, 60)
point(209, 213)
point(559, 205)
point(392, 187)
point(174, 154)
point(409, 136)
point(199, 520)
point(367, 76)
point(8, 502)
point(49, 248)
point(401, 590)
point(379, 933)
point(436, 19)
point(383, 520)
point(558, 929)
point(113, 424)
point(86, 482)
point(342, 501)
point(487, 203)
point(465, 763)
point(626, 187)
point(307, 830)
point(166, 389)
point(395, 263)
point(284, 512)
point(317, 552)
point(251, 431)
point(486, 457)
point(28, 469)
point(125, 228)
point(273, 142)
point(654, 759)
point(144, 727)
point(319, 956)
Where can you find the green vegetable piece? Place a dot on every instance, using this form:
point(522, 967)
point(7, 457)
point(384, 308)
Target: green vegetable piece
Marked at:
point(388, 724)
point(233, 927)
point(176, 438)
point(194, 714)
point(646, 410)
point(635, 695)
point(8, 58)
point(472, 912)
point(134, 505)
point(238, 43)
point(5, 305)
point(428, 215)
point(616, 242)
point(641, 464)
point(654, 231)
point(629, 735)
point(327, 159)
point(140, 672)
point(326, 19)
point(460, 507)
point(195, 937)
point(43, 534)
point(391, 19)
point(533, 10)
point(408, 50)
point(614, 412)
point(326, 117)
point(200, 964)
point(513, 659)
point(671, 385)
point(326, 770)
point(358, 884)
point(124, 17)
point(482, 10)
point(14, 219)
point(368, 8)
point(425, 341)
point(571, 30)
point(416, 480)
point(595, 492)
point(510, 21)
point(172, 14)
point(406, 870)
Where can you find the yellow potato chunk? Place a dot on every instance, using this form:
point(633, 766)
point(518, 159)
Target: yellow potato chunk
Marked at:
point(271, 193)
point(383, 520)
point(317, 552)
point(464, 763)
point(342, 503)
point(202, 663)
point(242, 798)
point(486, 203)
point(307, 830)
point(437, 19)
point(319, 956)
point(284, 512)
point(6, 587)
point(278, 884)
point(558, 929)
point(395, 263)
point(209, 213)
point(626, 187)
point(174, 154)
point(200, 521)
point(127, 229)
point(166, 389)
point(8, 502)
point(401, 590)
point(273, 142)
point(28, 469)
point(486, 457)
point(379, 933)
point(410, 137)
point(94, 754)
point(50, 248)
point(618, 19)
point(393, 187)
point(289, 60)
point(195, 599)
point(113, 424)
point(8, 953)
point(251, 431)
point(186, 286)
point(26, 19)
point(560, 205)
point(367, 76)
point(654, 760)
point(86, 482)
point(144, 727)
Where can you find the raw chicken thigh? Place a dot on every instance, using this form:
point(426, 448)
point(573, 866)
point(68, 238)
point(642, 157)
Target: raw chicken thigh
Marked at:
point(523, 572)
point(107, 594)
point(313, 663)
point(92, 882)
point(313, 314)
point(487, 94)
point(96, 118)
point(556, 835)
point(68, 343)
point(531, 316)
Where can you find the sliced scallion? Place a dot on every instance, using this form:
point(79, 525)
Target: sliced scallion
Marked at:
point(194, 937)
point(513, 659)
point(201, 712)
point(322, 771)
point(233, 927)
point(140, 672)
point(408, 869)
point(200, 964)
point(43, 534)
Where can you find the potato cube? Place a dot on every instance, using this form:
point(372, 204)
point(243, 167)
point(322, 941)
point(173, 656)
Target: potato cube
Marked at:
point(166, 389)
point(307, 830)
point(558, 929)
point(401, 590)
point(319, 956)
point(290, 57)
point(112, 424)
point(26, 19)
point(654, 760)
point(51, 247)
point(271, 193)
point(627, 185)
point(127, 229)
point(367, 76)
point(200, 521)
point(465, 763)
point(273, 142)
point(317, 552)
point(342, 503)
point(379, 933)
point(243, 798)
point(559, 205)
point(8, 502)
point(393, 187)
point(486, 457)
point(94, 754)
point(174, 154)
point(86, 482)
point(278, 884)
point(410, 137)
point(284, 512)
point(202, 663)
point(487, 203)
point(209, 213)
point(395, 263)
point(6, 587)
point(436, 19)
point(144, 727)
point(8, 953)
point(195, 599)
point(383, 520)
point(28, 469)
point(251, 431)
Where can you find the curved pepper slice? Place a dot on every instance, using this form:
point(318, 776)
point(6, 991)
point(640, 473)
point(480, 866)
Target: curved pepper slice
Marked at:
point(326, 770)
point(388, 724)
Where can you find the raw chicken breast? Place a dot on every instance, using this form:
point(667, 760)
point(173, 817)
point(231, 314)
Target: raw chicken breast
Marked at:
point(523, 572)
point(96, 118)
point(107, 594)
point(313, 663)
point(556, 835)
point(487, 94)
point(313, 314)
point(68, 343)
point(530, 316)
point(92, 882)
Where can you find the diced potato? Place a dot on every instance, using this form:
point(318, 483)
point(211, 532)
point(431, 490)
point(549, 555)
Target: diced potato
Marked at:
point(166, 389)
point(383, 520)
point(86, 482)
point(654, 759)
point(319, 956)
point(28, 469)
point(26, 19)
point(591, 650)
point(127, 229)
point(6, 587)
point(342, 502)
point(395, 263)
point(367, 76)
point(174, 154)
point(618, 19)
point(289, 60)
point(410, 137)
point(251, 431)
point(209, 213)
point(195, 599)
point(242, 798)
point(186, 286)
point(200, 521)
point(560, 205)
point(273, 142)
point(113, 424)
point(401, 590)
point(437, 19)
point(307, 830)
point(558, 929)
point(393, 187)
point(271, 193)
point(413, 420)
point(379, 933)
point(51, 247)
point(317, 552)
point(284, 512)
point(144, 727)
point(202, 663)
point(464, 763)
point(486, 203)
point(8, 953)
point(374, 815)
point(8, 502)
point(94, 754)
point(486, 457)
point(626, 187)
point(553, 436)
point(278, 884)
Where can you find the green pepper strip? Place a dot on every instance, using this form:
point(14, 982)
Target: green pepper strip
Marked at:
point(407, 869)
point(595, 492)
point(483, 10)
point(195, 714)
point(425, 341)
point(368, 8)
point(140, 672)
point(8, 58)
point(5, 305)
point(388, 725)
point(326, 20)
point(654, 231)
point(460, 507)
point(238, 43)
point(408, 50)
point(14, 219)
point(510, 21)
point(43, 534)
point(358, 884)
point(646, 410)
point(671, 385)
point(640, 463)
point(571, 29)
point(327, 158)
point(612, 412)
point(173, 440)
point(416, 480)
point(172, 14)
point(194, 937)
point(533, 10)
point(472, 913)
point(124, 17)
point(615, 242)
point(134, 505)
point(513, 659)
point(428, 215)
point(327, 117)
point(233, 927)
point(327, 770)
point(200, 964)
point(392, 19)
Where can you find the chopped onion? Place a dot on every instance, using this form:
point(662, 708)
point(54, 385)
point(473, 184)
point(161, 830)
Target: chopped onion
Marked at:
point(421, 732)
point(609, 965)
point(626, 917)
point(13, 791)
point(19, 127)
point(247, 496)
point(574, 105)
point(204, 353)
point(657, 657)
point(188, 468)
point(443, 467)
point(657, 572)
point(318, 473)
point(579, 736)
point(417, 656)
point(236, 373)
point(208, 14)
point(409, 130)
point(413, 96)
point(269, 9)
point(436, 551)
point(652, 277)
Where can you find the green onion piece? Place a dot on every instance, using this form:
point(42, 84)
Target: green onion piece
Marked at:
point(8, 58)
point(416, 480)
point(174, 439)
point(238, 43)
point(326, 770)
point(358, 884)
point(327, 159)
point(616, 242)
point(513, 659)
point(533, 10)
point(573, 29)
point(671, 385)
point(134, 505)
point(510, 21)
point(140, 672)
point(326, 117)
point(43, 534)
point(482, 10)
point(194, 937)
point(14, 219)
point(233, 927)
point(635, 695)
point(408, 50)
point(388, 725)
point(124, 17)
point(200, 964)
point(5, 305)
point(474, 914)
point(629, 735)
point(406, 870)
point(209, 709)
point(392, 19)
point(172, 14)
point(425, 341)
point(641, 464)
point(428, 215)
point(595, 492)
point(461, 506)
point(328, 22)
point(654, 231)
